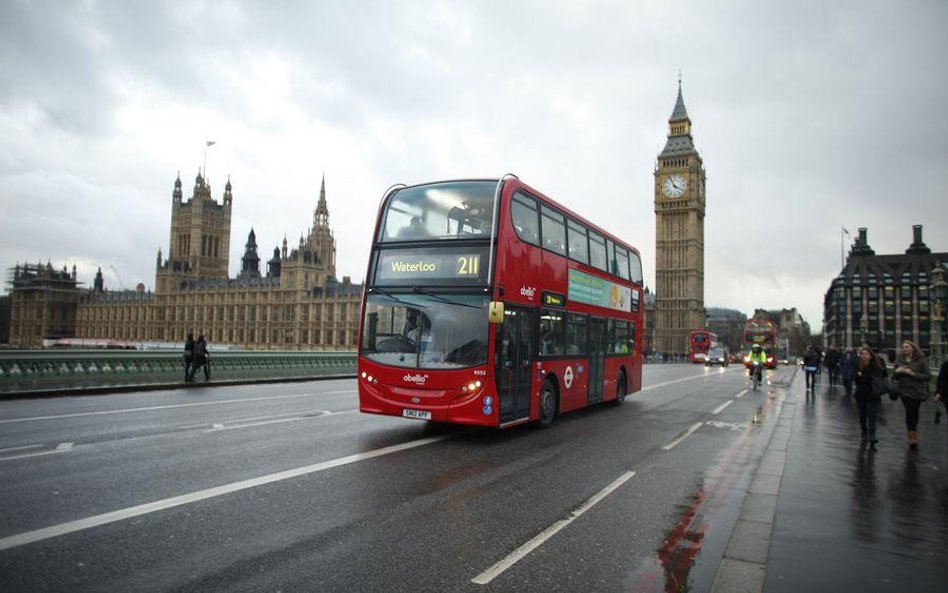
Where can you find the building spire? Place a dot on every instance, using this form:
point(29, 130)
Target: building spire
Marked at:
point(679, 129)
point(321, 216)
point(680, 113)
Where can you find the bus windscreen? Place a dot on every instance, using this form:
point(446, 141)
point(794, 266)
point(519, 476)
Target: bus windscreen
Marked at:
point(440, 211)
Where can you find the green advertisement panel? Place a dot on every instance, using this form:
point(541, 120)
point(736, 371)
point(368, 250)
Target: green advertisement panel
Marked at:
point(586, 288)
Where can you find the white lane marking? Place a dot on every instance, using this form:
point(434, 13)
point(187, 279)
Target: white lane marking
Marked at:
point(494, 571)
point(246, 424)
point(718, 409)
point(741, 394)
point(29, 537)
point(171, 406)
point(683, 436)
point(20, 448)
point(60, 448)
point(674, 381)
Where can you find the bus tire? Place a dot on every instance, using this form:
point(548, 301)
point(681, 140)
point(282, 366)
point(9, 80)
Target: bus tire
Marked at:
point(621, 390)
point(547, 404)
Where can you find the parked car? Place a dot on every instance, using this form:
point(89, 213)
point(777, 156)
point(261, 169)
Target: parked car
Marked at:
point(716, 356)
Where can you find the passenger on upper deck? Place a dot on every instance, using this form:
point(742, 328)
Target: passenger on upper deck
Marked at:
point(414, 230)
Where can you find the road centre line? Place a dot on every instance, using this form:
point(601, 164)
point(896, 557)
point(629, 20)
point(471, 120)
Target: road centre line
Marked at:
point(718, 409)
point(494, 571)
point(741, 394)
point(684, 435)
point(29, 537)
point(171, 406)
point(675, 381)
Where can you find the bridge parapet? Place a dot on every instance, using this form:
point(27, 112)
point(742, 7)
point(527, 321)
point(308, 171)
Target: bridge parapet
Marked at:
point(25, 371)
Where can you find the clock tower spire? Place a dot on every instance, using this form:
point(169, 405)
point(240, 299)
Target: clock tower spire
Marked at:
point(679, 235)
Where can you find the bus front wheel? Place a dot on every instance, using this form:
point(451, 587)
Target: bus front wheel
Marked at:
point(547, 404)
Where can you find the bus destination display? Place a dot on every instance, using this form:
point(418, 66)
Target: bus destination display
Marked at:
point(416, 267)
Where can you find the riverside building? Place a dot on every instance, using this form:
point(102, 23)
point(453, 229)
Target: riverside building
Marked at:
point(881, 300)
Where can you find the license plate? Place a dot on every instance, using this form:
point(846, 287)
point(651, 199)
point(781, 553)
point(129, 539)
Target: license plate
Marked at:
point(416, 414)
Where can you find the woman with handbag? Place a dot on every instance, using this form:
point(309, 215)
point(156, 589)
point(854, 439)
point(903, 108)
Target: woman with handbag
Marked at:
point(911, 370)
point(869, 380)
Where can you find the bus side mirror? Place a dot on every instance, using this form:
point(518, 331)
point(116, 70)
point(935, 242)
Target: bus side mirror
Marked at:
point(495, 312)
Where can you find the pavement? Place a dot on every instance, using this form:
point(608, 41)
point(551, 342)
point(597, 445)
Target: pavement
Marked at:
point(825, 512)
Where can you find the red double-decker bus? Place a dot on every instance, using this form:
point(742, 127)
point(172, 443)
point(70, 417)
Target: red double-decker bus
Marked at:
point(700, 341)
point(765, 334)
point(488, 303)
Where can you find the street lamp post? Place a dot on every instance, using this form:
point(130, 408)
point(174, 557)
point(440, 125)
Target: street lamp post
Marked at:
point(939, 292)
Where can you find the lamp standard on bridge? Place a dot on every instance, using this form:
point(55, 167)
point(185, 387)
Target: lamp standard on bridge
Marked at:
point(939, 292)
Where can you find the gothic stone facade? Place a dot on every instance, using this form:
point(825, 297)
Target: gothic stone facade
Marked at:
point(296, 305)
point(679, 236)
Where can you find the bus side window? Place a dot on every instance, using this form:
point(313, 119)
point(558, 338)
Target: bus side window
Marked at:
point(553, 228)
point(526, 219)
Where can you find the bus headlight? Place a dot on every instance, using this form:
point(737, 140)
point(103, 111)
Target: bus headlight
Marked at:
point(471, 387)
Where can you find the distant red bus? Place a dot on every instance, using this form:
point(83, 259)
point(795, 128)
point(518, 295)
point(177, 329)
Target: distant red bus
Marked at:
point(765, 334)
point(488, 303)
point(700, 341)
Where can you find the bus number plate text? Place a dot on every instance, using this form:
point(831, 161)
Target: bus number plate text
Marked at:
point(416, 414)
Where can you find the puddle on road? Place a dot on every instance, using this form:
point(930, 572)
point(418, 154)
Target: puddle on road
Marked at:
point(689, 558)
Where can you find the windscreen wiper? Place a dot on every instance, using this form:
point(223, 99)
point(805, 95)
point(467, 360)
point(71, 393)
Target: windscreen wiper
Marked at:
point(395, 298)
point(438, 297)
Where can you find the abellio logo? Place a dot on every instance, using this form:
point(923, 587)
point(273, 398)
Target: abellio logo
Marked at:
point(417, 378)
point(528, 291)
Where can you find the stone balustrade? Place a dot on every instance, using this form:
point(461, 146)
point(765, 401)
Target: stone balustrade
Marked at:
point(24, 371)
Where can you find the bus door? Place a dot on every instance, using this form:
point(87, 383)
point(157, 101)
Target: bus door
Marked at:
point(513, 364)
point(597, 358)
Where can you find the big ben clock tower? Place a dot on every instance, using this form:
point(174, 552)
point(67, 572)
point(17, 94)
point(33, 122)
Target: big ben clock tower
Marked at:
point(679, 236)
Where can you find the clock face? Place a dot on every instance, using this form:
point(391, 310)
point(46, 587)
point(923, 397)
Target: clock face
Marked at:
point(674, 185)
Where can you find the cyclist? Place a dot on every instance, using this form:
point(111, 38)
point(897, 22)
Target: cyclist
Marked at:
point(757, 355)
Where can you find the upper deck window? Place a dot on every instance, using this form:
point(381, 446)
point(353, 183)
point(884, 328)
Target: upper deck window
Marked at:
point(553, 227)
point(440, 211)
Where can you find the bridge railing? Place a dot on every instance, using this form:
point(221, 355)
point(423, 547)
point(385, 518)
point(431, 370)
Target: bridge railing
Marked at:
point(24, 371)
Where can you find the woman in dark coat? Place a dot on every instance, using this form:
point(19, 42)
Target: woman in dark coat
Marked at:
point(911, 370)
point(866, 369)
point(188, 357)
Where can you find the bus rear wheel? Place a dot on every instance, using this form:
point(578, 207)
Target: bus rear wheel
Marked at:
point(547, 404)
point(621, 390)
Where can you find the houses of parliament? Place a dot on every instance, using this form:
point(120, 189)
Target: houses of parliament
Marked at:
point(295, 303)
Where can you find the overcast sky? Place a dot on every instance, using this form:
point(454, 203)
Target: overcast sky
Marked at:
point(810, 116)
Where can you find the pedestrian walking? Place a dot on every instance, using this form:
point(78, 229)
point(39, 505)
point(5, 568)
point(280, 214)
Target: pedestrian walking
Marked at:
point(867, 374)
point(819, 362)
point(811, 365)
point(941, 389)
point(201, 359)
point(911, 371)
point(847, 368)
point(188, 356)
point(831, 362)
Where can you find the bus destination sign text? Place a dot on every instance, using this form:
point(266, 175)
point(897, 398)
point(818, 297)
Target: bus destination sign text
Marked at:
point(401, 267)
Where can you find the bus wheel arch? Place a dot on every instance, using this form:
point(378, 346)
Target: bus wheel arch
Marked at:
point(622, 387)
point(548, 402)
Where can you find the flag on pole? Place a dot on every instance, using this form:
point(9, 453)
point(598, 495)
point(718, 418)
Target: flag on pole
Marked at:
point(845, 231)
point(211, 142)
